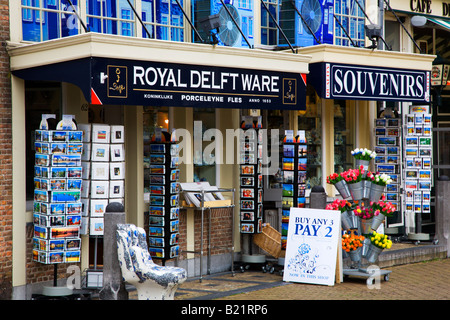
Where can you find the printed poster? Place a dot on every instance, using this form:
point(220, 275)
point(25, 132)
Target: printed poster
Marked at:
point(312, 246)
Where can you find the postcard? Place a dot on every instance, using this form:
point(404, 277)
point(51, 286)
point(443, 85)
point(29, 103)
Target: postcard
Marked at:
point(101, 133)
point(116, 189)
point(247, 193)
point(96, 226)
point(156, 242)
point(156, 211)
point(288, 190)
point(156, 179)
point(174, 213)
point(100, 170)
point(117, 152)
point(74, 208)
point(157, 148)
point(288, 150)
point(117, 170)
point(59, 136)
point(72, 244)
point(156, 252)
point(64, 232)
point(247, 228)
point(100, 189)
point(117, 134)
point(100, 152)
point(247, 204)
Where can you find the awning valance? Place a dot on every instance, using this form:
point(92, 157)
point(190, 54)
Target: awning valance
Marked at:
point(123, 71)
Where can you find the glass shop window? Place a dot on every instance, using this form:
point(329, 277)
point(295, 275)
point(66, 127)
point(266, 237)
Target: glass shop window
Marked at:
point(205, 170)
point(344, 135)
point(310, 120)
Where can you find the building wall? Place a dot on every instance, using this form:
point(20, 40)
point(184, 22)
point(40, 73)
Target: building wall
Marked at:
point(5, 159)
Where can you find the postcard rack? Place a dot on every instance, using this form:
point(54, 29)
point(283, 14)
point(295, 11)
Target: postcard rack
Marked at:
point(57, 182)
point(206, 207)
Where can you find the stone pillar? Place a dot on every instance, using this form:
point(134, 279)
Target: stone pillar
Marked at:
point(318, 198)
point(113, 285)
point(442, 213)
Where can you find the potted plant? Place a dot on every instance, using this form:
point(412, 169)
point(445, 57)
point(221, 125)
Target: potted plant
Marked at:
point(379, 182)
point(338, 181)
point(378, 242)
point(353, 178)
point(384, 209)
point(352, 244)
point(348, 219)
point(363, 157)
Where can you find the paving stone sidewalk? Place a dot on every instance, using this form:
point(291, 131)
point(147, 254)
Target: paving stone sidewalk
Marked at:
point(429, 280)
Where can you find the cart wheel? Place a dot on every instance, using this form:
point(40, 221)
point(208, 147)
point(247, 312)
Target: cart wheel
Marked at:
point(272, 270)
point(281, 272)
point(369, 281)
point(264, 269)
point(386, 277)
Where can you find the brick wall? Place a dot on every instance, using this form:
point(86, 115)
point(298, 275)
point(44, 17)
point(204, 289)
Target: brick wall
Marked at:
point(5, 159)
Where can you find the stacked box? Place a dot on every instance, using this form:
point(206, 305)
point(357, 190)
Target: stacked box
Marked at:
point(163, 216)
point(104, 167)
point(57, 206)
point(294, 162)
point(251, 182)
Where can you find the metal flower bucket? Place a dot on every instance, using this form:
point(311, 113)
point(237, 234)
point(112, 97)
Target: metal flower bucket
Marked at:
point(342, 188)
point(373, 253)
point(355, 255)
point(367, 186)
point(364, 163)
point(349, 220)
point(356, 190)
point(365, 247)
point(366, 226)
point(375, 192)
point(377, 220)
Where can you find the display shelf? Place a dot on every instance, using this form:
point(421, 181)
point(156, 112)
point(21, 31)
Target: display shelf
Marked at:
point(294, 165)
point(163, 215)
point(57, 205)
point(251, 178)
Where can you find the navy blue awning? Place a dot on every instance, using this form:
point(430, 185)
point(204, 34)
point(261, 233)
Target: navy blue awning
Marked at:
point(108, 81)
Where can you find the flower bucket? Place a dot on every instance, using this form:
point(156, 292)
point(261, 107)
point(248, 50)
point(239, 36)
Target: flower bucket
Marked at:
point(349, 220)
point(367, 186)
point(365, 247)
point(355, 255)
point(373, 253)
point(364, 163)
point(366, 226)
point(356, 190)
point(377, 220)
point(375, 192)
point(342, 188)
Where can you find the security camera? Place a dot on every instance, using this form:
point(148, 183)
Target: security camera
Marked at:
point(373, 32)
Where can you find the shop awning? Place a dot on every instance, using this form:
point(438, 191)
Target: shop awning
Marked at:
point(441, 22)
point(142, 72)
point(362, 74)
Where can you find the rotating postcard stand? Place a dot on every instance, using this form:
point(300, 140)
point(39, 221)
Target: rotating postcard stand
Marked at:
point(163, 215)
point(57, 207)
point(251, 187)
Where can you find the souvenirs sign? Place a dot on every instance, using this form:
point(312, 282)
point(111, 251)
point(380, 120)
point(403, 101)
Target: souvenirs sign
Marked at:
point(312, 246)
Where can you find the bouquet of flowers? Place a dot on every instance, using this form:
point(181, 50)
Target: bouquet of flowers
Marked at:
point(341, 205)
point(334, 178)
point(384, 207)
point(353, 175)
point(380, 240)
point(366, 212)
point(363, 154)
point(351, 242)
point(382, 179)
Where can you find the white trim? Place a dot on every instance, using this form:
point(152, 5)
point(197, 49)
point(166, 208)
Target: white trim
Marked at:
point(121, 47)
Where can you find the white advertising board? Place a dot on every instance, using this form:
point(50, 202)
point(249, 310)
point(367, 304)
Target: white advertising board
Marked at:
point(312, 246)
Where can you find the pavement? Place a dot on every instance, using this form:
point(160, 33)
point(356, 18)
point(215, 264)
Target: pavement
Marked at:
point(424, 276)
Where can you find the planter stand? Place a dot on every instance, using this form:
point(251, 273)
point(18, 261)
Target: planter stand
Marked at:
point(365, 274)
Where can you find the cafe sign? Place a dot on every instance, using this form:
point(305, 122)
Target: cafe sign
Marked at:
point(354, 82)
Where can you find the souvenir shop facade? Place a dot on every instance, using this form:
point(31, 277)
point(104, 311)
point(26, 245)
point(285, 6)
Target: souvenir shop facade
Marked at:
point(166, 86)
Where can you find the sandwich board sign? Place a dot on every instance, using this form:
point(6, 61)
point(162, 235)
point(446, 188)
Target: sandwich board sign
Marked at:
point(312, 246)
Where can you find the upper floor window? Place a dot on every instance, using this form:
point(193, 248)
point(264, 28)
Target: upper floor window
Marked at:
point(269, 32)
point(352, 18)
point(48, 19)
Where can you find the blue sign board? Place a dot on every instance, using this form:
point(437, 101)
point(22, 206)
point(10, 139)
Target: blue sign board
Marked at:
point(106, 81)
point(354, 82)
